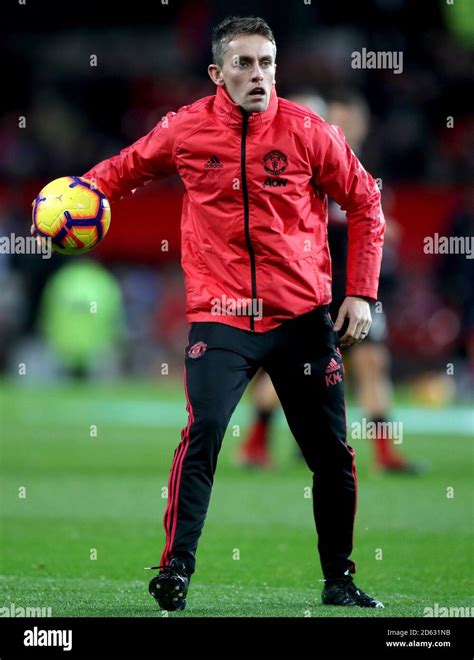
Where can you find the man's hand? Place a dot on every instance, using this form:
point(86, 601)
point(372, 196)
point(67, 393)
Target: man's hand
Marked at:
point(357, 311)
point(33, 231)
point(33, 228)
point(39, 239)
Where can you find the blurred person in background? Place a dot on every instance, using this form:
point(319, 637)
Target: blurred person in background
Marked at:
point(370, 360)
point(81, 318)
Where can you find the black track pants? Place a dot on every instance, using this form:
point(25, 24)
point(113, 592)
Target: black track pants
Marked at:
point(304, 362)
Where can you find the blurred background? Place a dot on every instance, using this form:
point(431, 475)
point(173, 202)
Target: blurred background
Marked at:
point(154, 60)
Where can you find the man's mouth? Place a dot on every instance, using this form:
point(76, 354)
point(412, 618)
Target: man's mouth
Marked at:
point(257, 92)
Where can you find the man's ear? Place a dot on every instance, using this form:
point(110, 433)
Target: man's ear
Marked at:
point(215, 74)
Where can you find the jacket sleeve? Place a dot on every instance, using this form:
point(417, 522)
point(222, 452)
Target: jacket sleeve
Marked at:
point(149, 157)
point(339, 174)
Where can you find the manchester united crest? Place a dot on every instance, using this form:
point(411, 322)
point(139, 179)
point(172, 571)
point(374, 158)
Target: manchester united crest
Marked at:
point(197, 349)
point(275, 162)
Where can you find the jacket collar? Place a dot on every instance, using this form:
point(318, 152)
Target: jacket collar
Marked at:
point(231, 114)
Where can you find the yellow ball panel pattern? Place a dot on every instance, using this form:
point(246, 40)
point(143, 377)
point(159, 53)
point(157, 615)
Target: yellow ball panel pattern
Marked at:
point(73, 212)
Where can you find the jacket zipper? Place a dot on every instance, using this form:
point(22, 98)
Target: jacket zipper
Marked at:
point(253, 272)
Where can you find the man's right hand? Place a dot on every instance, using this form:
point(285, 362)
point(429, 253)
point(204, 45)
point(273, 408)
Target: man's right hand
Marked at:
point(33, 231)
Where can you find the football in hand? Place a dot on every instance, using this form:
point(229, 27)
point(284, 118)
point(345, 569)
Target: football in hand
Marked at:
point(73, 213)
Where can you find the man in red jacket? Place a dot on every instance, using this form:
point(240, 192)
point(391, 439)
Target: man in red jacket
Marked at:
point(257, 171)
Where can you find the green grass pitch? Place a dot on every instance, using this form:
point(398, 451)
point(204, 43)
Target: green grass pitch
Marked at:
point(83, 469)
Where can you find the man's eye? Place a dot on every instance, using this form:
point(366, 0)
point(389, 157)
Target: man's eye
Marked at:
point(266, 63)
point(242, 64)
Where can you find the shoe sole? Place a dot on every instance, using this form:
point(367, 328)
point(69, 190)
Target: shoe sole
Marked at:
point(166, 593)
point(377, 605)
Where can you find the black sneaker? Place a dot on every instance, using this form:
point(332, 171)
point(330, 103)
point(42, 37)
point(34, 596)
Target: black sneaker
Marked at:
point(170, 587)
point(344, 592)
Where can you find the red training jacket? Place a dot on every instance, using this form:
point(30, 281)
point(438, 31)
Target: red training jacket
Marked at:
point(254, 244)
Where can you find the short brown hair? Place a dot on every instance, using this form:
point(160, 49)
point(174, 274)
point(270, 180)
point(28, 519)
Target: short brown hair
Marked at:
point(230, 27)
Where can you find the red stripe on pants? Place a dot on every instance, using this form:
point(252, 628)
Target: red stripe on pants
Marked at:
point(170, 518)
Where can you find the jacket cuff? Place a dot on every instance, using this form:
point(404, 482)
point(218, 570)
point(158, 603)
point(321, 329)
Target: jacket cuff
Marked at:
point(369, 298)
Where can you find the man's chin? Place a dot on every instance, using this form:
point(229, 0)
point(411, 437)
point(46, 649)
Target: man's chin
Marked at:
point(256, 105)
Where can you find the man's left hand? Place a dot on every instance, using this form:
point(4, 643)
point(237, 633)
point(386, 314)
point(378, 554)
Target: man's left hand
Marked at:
point(357, 311)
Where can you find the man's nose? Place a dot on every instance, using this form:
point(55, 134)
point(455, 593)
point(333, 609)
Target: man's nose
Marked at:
point(257, 74)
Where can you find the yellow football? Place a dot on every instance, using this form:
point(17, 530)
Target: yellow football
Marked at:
point(73, 213)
